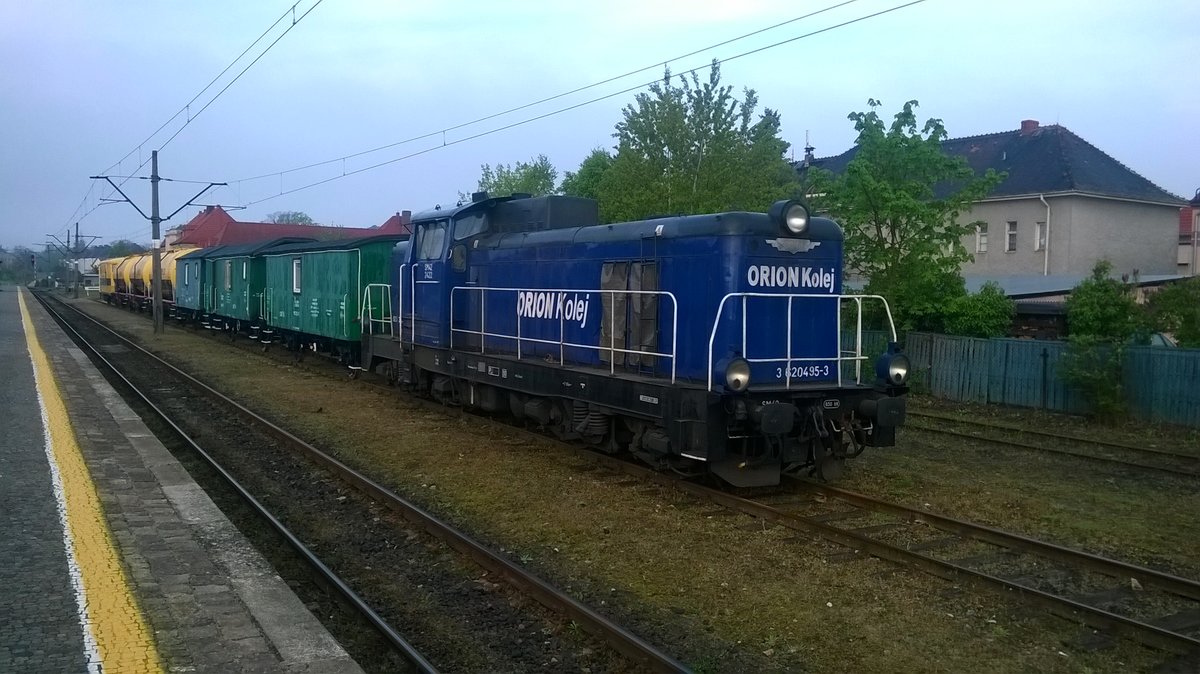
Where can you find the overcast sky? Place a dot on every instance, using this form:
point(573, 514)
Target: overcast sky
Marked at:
point(82, 83)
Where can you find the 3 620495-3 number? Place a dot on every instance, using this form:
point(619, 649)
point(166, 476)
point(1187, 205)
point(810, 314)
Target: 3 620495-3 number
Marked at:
point(803, 371)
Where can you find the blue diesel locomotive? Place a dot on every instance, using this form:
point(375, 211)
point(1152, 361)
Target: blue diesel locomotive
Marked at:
point(714, 343)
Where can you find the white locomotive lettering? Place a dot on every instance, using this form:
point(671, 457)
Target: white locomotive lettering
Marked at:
point(768, 276)
point(556, 305)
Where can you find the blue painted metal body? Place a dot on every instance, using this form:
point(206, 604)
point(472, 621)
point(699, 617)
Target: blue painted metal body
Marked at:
point(554, 293)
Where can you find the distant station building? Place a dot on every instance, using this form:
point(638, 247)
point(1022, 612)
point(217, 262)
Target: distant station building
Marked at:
point(213, 226)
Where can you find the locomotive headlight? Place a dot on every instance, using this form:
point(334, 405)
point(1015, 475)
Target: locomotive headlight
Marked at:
point(793, 215)
point(893, 368)
point(737, 375)
point(796, 218)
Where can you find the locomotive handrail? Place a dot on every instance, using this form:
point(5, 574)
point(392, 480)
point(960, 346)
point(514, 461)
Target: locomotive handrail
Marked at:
point(367, 315)
point(561, 342)
point(841, 356)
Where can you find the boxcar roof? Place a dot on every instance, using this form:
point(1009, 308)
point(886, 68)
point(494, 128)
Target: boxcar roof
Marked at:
point(336, 244)
point(245, 249)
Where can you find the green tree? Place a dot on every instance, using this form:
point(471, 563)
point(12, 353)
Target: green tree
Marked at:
point(987, 313)
point(289, 218)
point(919, 297)
point(1102, 317)
point(537, 177)
point(14, 265)
point(694, 148)
point(899, 201)
point(122, 247)
point(586, 181)
point(1176, 309)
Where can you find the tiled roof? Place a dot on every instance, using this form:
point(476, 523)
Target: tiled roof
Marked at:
point(1041, 160)
point(213, 226)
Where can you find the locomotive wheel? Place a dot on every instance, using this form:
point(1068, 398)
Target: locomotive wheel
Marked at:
point(830, 467)
point(560, 422)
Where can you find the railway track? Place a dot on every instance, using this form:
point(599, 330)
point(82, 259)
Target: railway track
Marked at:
point(1113, 597)
point(629, 645)
point(1102, 451)
point(1109, 595)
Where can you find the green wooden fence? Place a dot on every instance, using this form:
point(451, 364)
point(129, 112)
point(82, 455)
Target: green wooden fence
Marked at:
point(1160, 384)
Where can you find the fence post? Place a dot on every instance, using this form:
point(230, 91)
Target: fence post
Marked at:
point(1045, 373)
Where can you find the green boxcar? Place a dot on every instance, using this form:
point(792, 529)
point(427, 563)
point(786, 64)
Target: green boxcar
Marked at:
point(234, 277)
point(316, 289)
point(191, 296)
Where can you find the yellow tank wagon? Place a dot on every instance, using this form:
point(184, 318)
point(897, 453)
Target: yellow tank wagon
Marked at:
point(129, 280)
point(107, 270)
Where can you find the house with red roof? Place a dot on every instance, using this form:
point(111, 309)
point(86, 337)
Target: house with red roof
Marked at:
point(213, 226)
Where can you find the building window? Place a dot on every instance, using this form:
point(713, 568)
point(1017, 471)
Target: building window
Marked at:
point(228, 274)
point(1040, 243)
point(1010, 242)
point(296, 275)
point(981, 237)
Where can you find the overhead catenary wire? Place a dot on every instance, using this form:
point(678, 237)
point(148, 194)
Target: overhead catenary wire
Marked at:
point(548, 99)
point(528, 120)
point(187, 106)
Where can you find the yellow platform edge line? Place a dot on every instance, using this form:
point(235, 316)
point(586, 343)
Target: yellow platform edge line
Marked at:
point(121, 634)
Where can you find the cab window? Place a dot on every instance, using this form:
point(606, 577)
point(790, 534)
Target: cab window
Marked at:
point(469, 225)
point(431, 240)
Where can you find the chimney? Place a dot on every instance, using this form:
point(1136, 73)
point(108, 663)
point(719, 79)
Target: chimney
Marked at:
point(1028, 126)
point(208, 209)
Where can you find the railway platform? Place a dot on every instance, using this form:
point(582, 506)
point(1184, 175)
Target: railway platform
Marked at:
point(112, 559)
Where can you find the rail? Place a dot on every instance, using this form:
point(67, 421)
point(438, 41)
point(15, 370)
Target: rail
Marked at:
point(562, 342)
point(643, 653)
point(389, 633)
point(856, 356)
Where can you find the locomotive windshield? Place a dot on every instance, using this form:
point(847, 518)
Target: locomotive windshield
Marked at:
point(430, 240)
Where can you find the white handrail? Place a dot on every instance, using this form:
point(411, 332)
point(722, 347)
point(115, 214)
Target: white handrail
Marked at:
point(857, 358)
point(561, 342)
point(367, 312)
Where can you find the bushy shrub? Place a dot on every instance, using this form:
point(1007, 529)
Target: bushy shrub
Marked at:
point(987, 313)
point(1103, 317)
point(1176, 309)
